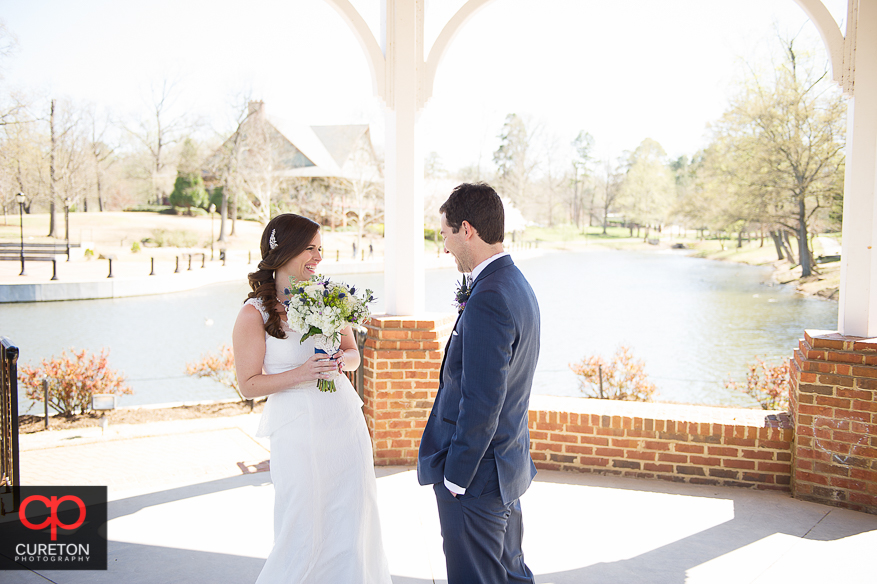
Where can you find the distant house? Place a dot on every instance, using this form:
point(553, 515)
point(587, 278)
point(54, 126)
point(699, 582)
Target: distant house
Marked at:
point(330, 172)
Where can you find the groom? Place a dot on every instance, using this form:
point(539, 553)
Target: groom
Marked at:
point(475, 449)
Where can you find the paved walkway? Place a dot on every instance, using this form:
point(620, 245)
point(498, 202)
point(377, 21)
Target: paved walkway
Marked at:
point(82, 279)
point(190, 502)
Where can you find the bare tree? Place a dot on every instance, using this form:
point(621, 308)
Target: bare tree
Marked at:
point(364, 186)
point(260, 162)
point(65, 158)
point(8, 48)
point(156, 133)
point(515, 160)
point(786, 135)
point(583, 189)
point(611, 183)
point(101, 152)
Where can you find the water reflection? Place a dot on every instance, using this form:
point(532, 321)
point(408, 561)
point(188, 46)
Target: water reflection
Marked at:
point(692, 321)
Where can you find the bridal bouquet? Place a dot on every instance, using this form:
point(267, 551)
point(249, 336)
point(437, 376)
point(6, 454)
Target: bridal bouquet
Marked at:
point(322, 309)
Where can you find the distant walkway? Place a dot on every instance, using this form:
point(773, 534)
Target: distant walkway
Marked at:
point(830, 246)
point(88, 279)
point(82, 279)
point(190, 503)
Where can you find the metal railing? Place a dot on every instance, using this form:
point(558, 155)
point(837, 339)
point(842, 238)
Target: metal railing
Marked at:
point(10, 480)
point(356, 377)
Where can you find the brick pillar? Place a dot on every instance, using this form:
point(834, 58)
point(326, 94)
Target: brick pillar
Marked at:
point(401, 360)
point(833, 405)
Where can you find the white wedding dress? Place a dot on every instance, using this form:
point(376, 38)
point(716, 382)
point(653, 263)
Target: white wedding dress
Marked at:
point(326, 524)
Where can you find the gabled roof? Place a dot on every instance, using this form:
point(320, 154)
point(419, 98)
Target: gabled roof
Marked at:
point(319, 151)
point(340, 140)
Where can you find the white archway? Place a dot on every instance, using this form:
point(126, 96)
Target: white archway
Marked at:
point(404, 81)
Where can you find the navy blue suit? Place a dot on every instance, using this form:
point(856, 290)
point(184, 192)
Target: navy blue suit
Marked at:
point(477, 434)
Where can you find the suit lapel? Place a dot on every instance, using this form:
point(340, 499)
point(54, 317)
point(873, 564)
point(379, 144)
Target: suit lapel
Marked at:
point(489, 269)
point(445, 355)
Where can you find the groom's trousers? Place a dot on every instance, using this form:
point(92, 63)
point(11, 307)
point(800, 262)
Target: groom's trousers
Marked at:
point(481, 534)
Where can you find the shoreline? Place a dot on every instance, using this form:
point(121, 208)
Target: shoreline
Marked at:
point(824, 284)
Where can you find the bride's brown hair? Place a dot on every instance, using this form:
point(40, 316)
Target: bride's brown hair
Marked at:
point(291, 235)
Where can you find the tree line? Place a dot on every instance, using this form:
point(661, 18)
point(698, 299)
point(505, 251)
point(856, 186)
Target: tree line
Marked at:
point(773, 165)
point(62, 154)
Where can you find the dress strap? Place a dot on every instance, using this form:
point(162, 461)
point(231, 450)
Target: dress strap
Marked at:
point(257, 302)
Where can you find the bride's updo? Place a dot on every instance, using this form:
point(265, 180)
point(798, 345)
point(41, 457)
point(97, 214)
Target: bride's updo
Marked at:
point(289, 235)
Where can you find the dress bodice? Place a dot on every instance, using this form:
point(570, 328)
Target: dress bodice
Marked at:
point(283, 355)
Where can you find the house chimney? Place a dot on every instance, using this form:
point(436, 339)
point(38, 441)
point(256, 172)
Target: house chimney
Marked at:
point(256, 108)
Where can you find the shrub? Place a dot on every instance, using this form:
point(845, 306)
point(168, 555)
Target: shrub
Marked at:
point(219, 368)
point(178, 238)
point(189, 191)
point(767, 383)
point(73, 380)
point(135, 247)
point(147, 208)
point(624, 378)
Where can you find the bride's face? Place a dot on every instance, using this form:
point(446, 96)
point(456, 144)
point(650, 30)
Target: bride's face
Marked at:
point(304, 265)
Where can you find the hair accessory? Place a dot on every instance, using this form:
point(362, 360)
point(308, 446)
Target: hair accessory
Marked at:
point(272, 241)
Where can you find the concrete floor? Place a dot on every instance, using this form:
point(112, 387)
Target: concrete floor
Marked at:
point(182, 510)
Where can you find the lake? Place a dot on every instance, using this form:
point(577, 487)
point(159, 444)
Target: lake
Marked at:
point(692, 321)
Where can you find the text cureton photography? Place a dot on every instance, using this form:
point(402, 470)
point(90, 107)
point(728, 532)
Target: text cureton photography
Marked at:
point(56, 528)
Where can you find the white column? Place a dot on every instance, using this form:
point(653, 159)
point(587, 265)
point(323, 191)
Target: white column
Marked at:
point(858, 281)
point(403, 187)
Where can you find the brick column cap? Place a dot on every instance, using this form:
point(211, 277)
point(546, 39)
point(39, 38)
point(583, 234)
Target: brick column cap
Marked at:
point(820, 339)
point(420, 320)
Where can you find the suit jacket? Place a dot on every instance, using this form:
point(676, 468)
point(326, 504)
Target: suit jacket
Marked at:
point(480, 413)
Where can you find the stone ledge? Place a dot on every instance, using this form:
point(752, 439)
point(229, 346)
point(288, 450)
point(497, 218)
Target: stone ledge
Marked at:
point(654, 410)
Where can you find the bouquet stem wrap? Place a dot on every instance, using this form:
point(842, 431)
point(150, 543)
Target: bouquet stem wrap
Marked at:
point(325, 346)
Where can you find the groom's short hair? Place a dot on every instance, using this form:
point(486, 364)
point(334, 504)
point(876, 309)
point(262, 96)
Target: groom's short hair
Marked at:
point(478, 204)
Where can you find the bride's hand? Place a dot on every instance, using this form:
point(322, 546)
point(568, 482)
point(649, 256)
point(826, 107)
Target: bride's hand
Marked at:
point(339, 360)
point(318, 366)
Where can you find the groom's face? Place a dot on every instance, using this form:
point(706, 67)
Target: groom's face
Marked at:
point(457, 245)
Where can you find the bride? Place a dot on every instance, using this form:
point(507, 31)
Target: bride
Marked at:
point(326, 524)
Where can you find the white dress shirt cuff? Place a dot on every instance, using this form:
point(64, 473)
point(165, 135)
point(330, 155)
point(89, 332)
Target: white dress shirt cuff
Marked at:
point(456, 489)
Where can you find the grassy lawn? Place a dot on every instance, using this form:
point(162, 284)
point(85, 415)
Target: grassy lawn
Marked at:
point(116, 232)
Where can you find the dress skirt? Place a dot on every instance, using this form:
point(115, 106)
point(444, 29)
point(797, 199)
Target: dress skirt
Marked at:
point(326, 524)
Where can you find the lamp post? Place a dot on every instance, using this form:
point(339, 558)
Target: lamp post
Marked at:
point(21, 200)
point(212, 210)
point(67, 225)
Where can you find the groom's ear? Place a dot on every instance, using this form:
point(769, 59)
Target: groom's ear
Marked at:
point(468, 231)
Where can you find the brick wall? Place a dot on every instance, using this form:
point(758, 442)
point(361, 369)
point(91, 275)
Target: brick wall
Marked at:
point(402, 358)
point(694, 444)
point(824, 451)
point(702, 445)
point(833, 387)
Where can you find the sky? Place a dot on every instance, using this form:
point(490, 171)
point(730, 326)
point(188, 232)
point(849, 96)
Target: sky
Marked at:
point(622, 70)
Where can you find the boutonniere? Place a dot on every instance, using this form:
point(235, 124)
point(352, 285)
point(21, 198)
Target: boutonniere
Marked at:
point(462, 294)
